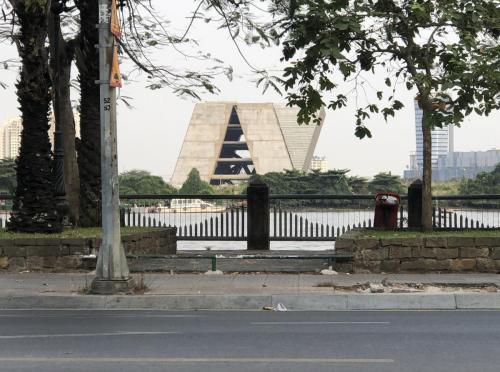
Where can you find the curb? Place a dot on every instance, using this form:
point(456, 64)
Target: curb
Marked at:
point(294, 302)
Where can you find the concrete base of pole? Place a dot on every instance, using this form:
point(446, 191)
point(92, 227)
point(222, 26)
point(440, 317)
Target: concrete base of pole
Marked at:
point(111, 287)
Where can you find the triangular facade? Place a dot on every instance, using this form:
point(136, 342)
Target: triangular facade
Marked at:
point(228, 142)
point(235, 161)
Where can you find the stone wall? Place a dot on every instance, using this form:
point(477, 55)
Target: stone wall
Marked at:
point(60, 254)
point(426, 254)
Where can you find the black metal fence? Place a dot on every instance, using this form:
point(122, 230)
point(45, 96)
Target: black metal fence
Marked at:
point(292, 217)
point(295, 217)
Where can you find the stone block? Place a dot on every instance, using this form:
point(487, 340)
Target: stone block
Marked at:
point(400, 252)
point(423, 252)
point(367, 243)
point(460, 241)
point(463, 264)
point(367, 267)
point(344, 244)
point(4, 242)
point(78, 250)
point(473, 252)
point(45, 250)
point(426, 264)
point(374, 254)
point(69, 262)
point(34, 263)
point(50, 262)
point(36, 241)
point(14, 251)
point(4, 262)
point(412, 242)
point(390, 266)
point(495, 253)
point(436, 242)
point(487, 241)
point(391, 242)
point(443, 253)
point(17, 263)
point(486, 265)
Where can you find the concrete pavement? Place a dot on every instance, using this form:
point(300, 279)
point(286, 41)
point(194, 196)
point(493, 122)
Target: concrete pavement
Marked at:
point(409, 341)
point(258, 291)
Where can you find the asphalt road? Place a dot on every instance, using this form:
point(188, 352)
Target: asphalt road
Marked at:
point(249, 341)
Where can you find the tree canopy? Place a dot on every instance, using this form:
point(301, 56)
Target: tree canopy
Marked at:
point(195, 185)
point(141, 182)
point(385, 181)
point(484, 183)
point(446, 52)
point(7, 176)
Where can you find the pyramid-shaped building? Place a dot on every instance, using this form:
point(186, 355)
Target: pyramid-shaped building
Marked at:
point(228, 142)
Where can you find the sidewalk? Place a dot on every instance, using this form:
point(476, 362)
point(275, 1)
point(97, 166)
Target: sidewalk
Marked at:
point(258, 291)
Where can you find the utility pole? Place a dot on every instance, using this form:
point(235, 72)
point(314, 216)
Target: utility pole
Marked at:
point(112, 274)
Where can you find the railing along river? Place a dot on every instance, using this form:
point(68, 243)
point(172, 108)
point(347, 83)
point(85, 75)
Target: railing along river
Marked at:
point(292, 217)
point(295, 217)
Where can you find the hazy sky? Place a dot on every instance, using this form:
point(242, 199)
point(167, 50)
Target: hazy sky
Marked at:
point(151, 134)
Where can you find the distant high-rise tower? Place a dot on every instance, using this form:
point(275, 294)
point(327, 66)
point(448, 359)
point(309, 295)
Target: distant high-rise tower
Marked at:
point(10, 135)
point(442, 140)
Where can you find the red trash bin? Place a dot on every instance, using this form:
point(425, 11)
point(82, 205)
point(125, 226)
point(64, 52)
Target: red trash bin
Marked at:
point(386, 210)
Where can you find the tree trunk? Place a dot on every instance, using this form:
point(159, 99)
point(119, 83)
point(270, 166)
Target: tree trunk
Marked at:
point(427, 165)
point(65, 117)
point(89, 146)
point(34, 208)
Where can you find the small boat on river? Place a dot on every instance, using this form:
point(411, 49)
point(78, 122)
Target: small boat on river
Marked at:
point(188, 206)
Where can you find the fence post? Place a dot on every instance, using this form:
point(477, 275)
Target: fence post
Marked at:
point(415, 205)
point(258, 216)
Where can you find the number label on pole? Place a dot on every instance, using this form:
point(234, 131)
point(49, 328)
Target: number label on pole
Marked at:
point(107, 103)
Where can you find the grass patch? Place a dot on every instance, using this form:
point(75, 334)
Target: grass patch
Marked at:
point(419, 234)
point(88, 232)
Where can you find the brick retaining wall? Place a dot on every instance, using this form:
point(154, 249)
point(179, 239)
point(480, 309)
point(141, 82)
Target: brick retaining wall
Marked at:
point(426, 254)
point(60, 254)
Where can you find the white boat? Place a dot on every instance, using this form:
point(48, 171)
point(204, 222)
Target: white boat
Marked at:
point(189, 206)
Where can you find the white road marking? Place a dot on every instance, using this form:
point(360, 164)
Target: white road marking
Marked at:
point(10, 337)
point(313, 323)
point(59, 316)
point(193, 360)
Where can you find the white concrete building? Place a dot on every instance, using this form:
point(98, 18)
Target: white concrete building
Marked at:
point(10, 135)
point(228, 142)
point(442, 140)
point(319, 163)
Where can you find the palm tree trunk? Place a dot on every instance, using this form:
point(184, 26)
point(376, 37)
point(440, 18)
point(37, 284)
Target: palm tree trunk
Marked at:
point(89, 146)
point(66, 118)
point(34, 200)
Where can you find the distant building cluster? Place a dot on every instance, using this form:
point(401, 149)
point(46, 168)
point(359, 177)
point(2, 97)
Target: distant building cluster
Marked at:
point(319, 163)
point(10, 135)
point(448, 164)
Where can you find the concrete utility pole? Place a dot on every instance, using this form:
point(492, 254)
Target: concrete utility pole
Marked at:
point(112, 274)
